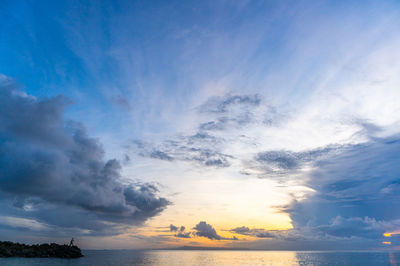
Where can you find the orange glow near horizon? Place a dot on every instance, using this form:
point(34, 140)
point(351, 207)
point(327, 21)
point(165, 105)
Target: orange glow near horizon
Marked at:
point(389, 234)
point(166, 238)
point(387, 242)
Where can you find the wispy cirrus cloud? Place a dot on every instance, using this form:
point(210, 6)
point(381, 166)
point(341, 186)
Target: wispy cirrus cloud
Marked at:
point(205, 146)
point(190, 149)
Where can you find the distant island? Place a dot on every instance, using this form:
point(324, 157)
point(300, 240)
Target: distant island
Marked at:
point(10, 249)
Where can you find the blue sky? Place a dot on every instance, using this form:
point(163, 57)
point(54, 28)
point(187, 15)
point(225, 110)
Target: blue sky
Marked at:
point(249, 123)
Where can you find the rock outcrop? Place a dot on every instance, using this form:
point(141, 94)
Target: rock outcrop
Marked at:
point(10, 249)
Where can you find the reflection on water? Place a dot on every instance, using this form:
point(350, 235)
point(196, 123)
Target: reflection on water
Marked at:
point(226, 258)
point(392, 259)
point(165, 257)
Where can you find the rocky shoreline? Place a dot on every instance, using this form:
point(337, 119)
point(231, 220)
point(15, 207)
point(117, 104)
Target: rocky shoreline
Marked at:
point(10, 249)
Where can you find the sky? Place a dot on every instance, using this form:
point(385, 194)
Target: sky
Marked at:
point(235, 124)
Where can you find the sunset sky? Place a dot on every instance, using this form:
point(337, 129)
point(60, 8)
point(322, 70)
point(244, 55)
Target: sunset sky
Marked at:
point(237, 124)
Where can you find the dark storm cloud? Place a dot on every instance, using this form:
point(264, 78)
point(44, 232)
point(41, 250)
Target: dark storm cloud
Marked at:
point(47, 159)
point(355, 199)
point(336, 229)
point(363, 227)
point(356, 193)
point(360, 233)
point(361, 181)
point(60, 220)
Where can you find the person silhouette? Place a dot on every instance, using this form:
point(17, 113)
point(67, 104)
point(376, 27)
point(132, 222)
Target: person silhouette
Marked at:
point(71, 243)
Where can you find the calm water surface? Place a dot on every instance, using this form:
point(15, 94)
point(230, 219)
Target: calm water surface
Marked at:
point(127, 257)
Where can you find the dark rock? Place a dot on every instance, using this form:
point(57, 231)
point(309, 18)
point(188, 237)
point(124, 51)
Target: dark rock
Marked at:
point(10, 249)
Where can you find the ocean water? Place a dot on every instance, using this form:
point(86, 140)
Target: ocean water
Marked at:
point(167, 257)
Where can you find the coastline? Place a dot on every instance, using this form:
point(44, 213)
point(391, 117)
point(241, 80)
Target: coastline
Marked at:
point(9, 249)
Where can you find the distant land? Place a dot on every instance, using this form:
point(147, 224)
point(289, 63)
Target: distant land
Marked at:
point(53, 250)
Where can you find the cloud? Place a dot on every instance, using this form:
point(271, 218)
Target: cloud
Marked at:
point(260, 233)
point(160, 155)
point(282, 160)
point(241, 230)
point(217, 116)
point(355, 193)
point(353, 198)
point(184, 235)
point(192, 148)
point(228, 102)
point(363, 227)
point(202, 229)
point(173, 228)
point(285, 164)
point(121, 101)
point(47, 162)
point(206, 230)
point(362, 181)
point(350, 184)
point(224, 123)
point(338, 228)
point(235, 111)
point(180, 231)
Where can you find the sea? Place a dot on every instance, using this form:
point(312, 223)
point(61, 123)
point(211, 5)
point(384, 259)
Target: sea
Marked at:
point(206, 257)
